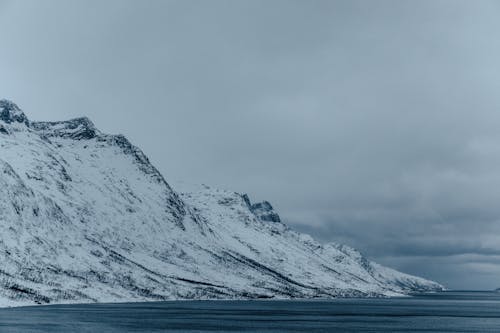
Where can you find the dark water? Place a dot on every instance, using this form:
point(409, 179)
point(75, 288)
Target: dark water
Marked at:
point(442, 312)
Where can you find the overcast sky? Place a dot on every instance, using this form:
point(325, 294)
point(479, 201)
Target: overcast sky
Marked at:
point(371, 123)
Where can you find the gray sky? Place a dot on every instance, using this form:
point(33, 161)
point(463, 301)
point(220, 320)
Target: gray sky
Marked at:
point(372, 123)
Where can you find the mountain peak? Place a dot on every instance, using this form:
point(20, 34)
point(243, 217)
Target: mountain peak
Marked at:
point(11, 113)
point(77, 128)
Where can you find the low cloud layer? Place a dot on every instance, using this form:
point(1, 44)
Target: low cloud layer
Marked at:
point(373, 123)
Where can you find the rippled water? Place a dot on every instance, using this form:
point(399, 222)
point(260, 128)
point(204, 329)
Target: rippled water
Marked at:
point(441, 312)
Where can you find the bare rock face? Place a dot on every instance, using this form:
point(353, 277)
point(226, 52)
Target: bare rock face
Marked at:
point(263, 210)
point(10, 113)
point(85, 217)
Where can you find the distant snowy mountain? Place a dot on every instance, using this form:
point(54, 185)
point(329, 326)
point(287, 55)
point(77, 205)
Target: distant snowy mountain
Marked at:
point(85, 217)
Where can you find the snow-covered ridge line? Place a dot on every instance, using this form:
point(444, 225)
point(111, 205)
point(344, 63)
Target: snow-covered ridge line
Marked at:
point(81, 128)
point(85, 217)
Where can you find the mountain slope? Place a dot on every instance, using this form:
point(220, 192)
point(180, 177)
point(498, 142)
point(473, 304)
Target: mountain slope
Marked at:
point(85, 217)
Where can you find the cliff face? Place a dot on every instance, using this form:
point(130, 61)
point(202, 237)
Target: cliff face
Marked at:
point(85, 217)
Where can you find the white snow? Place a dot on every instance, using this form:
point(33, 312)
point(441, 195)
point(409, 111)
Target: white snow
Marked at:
point(84, 217)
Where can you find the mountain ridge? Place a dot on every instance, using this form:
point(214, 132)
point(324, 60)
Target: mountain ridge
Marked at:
point(88, 218)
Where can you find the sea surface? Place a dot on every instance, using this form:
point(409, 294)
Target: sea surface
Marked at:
point(439, 312)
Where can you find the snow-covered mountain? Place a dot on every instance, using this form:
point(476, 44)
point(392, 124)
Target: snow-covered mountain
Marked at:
point(85, 217)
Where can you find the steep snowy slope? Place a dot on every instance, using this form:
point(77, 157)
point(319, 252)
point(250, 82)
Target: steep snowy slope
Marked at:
point(85, 217)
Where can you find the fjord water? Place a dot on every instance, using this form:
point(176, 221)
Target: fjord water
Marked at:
point(439, 312)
